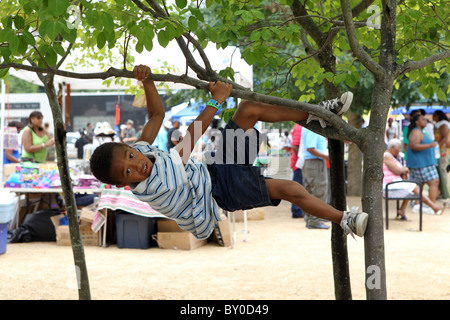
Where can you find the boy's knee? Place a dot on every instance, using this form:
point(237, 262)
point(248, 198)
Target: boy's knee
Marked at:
point(249, 108)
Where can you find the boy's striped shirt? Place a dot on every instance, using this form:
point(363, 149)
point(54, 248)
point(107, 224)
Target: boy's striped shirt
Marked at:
point(180, 192)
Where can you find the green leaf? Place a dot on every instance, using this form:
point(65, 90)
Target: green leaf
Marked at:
point(53, 29)
point(340, 77)
point(247, 16)
point(108, 22)
point(58, 7)
point(69, 34)
point(193, 23)
point(7, 22)
point(255, 36)
point(441, 95)
point(181, 3)
point(163, 39)
point(19, 22)
point(13, 42)
point(209, 3)
point(28, 37)
point(101, 40)
point(139, 47)
point(92, 17)
point(59, 49)
point(3, 72)
point(197, 13)
point(51, 57)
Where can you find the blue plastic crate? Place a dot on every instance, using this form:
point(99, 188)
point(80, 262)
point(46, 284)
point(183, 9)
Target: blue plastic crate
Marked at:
point(3, 237)
point(134, 231)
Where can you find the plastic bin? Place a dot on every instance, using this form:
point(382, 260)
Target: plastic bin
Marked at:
point(8, 203)
point(3, 237)
point(134, 231)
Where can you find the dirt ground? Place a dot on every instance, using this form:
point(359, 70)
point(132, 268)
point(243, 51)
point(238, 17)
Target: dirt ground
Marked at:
point(281, 260)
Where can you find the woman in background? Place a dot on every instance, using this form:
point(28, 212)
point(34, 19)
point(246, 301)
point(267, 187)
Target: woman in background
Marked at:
point(35, 139)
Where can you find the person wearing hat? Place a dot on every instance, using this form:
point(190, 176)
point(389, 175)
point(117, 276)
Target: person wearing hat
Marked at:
point(103, 133)
point(128, 134)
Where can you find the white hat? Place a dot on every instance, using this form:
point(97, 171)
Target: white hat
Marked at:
point(103, 128)
point(168, 124)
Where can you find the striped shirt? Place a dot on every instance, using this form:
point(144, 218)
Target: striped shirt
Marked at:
point(182, 193)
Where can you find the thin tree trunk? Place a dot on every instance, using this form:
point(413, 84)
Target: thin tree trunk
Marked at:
point(341, 272)
point(354, 167)
point(372, 200)
point(66, 183)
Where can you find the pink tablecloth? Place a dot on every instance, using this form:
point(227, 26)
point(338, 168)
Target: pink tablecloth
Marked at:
point(121, 199)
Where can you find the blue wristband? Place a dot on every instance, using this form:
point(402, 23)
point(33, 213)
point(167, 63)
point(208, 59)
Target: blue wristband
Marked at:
point(214, 103)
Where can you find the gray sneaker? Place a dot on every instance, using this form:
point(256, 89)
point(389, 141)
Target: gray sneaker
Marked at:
point(338, 105)
point(354, 223)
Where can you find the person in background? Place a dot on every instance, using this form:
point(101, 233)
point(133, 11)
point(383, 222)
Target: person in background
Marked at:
point(103, 133)
point(13, 155)
point(138, 134)
point(89, 132)
point(441, 132)
point(391, 130)
point(51, 150)
point(80, 143)
point(35, 139)
point(174, 135)
point(128, 134)
point(394, 171)
point(315, 176)
point(421, 159)
point(297, 172)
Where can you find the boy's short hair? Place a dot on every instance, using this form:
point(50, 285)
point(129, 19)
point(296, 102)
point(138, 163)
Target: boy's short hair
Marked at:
point(100, 162)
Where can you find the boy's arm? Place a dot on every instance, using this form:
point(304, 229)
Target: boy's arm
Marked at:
point(220, 91)
point(155, 106)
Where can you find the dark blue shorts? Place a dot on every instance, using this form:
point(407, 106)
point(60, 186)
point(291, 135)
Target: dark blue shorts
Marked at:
point(236, 183)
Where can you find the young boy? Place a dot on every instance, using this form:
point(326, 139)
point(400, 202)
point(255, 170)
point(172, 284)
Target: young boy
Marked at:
point(191, 192)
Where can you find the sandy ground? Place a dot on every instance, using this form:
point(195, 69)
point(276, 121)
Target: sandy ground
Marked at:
point(281, 260)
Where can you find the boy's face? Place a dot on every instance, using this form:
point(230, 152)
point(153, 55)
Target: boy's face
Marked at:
point(129, 166)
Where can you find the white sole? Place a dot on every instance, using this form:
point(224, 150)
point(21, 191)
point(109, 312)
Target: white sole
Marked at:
point(346, 99)
point(361, 224)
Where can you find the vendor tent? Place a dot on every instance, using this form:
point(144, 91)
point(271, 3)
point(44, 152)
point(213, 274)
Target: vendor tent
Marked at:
point(428, 109)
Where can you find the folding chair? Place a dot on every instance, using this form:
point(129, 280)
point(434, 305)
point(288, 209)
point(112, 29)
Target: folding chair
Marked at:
point(402, 194)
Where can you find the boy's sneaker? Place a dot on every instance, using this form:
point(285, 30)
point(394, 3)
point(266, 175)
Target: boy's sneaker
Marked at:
point(354, 223)
point(338, 105)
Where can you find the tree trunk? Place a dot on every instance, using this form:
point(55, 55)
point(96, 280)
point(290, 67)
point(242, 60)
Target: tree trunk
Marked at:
point(373, 148)
point(354, 164)
point(66, 183)
point(341, 272)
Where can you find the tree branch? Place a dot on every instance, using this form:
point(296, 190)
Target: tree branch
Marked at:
point(365, 59)
point(341, 129)
point(409, 66)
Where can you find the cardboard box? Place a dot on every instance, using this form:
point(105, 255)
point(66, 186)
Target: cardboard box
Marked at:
point(88, 214)
point(88, 237)
point(167, 225)
point(171, 236)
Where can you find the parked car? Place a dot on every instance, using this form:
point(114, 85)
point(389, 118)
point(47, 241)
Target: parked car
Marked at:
point(71, 138)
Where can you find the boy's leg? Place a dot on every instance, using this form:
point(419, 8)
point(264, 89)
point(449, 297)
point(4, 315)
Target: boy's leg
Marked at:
point(295, 193)
point(250, 112)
